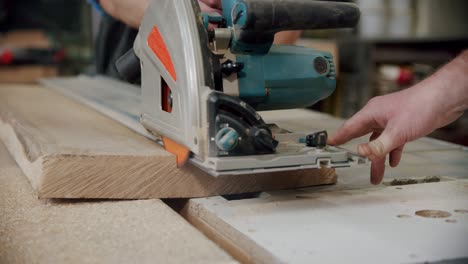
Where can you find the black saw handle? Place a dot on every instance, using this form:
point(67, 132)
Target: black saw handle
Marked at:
point(279, 15)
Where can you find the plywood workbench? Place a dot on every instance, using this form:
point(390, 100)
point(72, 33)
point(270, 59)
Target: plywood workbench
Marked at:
point(351, 221)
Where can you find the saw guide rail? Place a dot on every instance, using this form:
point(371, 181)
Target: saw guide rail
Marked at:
point(202, 87)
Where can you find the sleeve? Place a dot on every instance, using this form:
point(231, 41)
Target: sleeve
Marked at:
point(95, 4)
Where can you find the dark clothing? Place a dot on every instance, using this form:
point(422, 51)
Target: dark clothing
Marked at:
point(114, 39)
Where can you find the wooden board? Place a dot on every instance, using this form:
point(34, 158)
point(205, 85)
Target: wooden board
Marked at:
point(371, 225)
point(53, 231)
point(26, 74)
point(70, 151)
point(352, 221)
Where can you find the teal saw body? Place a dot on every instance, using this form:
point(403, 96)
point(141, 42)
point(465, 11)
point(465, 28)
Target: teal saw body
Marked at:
point(272, 77)
point(286, 77)
point(202, 85)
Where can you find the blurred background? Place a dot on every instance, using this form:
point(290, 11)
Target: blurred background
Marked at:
point(397, 43)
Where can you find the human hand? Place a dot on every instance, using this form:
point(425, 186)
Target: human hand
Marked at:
point(285, 38)
point(210, 6)
point(400, 117)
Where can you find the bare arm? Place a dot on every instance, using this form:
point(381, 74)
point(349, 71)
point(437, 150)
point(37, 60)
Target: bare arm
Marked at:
point(287, 37)
point(131, 13)
point(400, 117)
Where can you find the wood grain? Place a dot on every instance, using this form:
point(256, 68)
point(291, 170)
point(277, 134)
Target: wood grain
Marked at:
point(26, 74)
point(65, 231)
point(70, 151)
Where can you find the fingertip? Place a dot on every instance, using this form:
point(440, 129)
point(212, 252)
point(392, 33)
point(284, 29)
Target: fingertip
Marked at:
point(377, 171)
point(336, 139)
point(345, 133)
point(376, 179)
point(395, 156)
point(331, 141)
point(394, 164)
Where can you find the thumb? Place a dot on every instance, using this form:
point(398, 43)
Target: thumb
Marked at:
point(389, 140)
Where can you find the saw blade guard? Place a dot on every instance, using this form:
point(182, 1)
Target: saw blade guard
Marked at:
point(175, 67)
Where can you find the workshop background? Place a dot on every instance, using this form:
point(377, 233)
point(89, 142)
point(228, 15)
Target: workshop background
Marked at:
point(397, 43)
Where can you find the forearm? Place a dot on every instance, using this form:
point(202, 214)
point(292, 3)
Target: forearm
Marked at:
point(403, 116)
point(449, 89)
point(454, 78)
point(131, 13)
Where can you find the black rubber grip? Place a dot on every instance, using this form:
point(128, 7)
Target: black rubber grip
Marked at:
point(128, 66)
point(280, 15)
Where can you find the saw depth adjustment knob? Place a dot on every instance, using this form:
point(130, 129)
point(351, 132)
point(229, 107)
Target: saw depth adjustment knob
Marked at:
point(227, 138)
point(263, 139)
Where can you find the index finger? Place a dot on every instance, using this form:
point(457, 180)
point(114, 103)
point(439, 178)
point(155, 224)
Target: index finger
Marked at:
point(360, 124)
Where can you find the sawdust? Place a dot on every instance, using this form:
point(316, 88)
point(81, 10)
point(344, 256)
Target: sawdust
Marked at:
point(450, 220)
point(404, 181)
point(461, 211)
point(433, 213)
point(404, 216)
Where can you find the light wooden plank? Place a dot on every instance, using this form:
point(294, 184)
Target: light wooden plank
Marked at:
point(26, 74)
point(52, 231)
point(70, 151)
point(370, 225)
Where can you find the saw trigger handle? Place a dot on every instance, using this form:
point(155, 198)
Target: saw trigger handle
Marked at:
point(255, 22)
point(279, 15)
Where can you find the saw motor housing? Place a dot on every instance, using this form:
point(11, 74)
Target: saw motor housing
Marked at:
point(202, 85)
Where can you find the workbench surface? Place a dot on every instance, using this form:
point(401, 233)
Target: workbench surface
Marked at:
point(351, 221)
point(419, 214)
